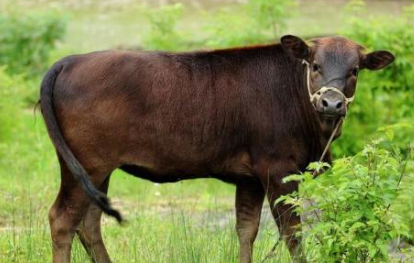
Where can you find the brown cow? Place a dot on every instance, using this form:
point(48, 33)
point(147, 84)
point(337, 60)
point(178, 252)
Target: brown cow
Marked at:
point(248, 116)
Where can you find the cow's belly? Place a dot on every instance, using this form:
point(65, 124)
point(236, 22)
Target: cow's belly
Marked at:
point(152, 176)
point(230, 170)
point(146, 174)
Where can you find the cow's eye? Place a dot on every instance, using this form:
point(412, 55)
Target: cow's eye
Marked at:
point(355, 71)
point(316, 67)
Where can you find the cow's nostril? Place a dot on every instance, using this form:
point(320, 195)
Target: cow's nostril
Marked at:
point(339, 105)
point(325, 103)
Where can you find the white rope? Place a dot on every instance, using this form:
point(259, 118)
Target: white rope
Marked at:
point(317, 95)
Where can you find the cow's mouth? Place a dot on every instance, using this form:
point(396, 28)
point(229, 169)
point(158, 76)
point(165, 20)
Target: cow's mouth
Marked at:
point(329, 116)
point(329, 122)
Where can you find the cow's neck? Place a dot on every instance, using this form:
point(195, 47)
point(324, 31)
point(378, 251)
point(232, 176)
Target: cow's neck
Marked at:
point(328, 127)
point(331, 130)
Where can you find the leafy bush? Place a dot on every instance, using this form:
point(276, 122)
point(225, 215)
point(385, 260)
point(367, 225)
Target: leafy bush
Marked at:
point(271, 14)
point(27, 39)
point(259, 21)
point(405, 205)
point(227, 29)
point(357, 198)
point(163, 34)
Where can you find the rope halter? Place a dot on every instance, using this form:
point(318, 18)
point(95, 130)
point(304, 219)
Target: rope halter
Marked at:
point(317, 95)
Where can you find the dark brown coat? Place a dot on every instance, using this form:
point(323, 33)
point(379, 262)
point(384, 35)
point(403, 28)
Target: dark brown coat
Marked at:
point(240, 115)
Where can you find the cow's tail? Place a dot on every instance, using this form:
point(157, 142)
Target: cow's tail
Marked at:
point(46, 103)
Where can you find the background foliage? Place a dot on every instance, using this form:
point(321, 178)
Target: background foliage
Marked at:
point(384, 97)
point(32, 38)
point(27, 39)
point(163, 33)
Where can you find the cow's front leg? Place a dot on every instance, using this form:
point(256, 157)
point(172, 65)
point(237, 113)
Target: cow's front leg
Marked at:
point(249, 201)
point(287, 221)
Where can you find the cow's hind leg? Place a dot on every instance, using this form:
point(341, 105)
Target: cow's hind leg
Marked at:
point(89, 231)
point(67, 212)
point(249, 202)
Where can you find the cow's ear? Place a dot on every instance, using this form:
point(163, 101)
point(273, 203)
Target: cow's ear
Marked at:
point(378, 60)
point(295, 46)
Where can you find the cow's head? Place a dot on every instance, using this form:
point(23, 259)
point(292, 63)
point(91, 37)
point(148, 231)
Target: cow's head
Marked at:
point(332, 64)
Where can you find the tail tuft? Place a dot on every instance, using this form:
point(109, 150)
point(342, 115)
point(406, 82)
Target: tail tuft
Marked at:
point(105, 205)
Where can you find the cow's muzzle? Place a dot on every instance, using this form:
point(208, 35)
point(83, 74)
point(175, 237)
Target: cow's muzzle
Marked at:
point(330, 102)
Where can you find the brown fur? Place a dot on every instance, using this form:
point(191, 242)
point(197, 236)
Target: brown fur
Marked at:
point(239, 115)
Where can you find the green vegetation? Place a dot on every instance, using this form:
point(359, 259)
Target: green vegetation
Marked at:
point(27, 38)
point(193, 221)
point(259, 21)
point(357, 197)
point(256, 22)
point(163, 33)
point(384, 97)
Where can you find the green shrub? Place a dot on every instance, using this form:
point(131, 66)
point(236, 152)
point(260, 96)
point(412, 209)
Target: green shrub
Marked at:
point(26, 40)
point(271, 14)
point(163, 34)
point(259, 21)
point(227, 29)
point(405, 205)
point(357, 198)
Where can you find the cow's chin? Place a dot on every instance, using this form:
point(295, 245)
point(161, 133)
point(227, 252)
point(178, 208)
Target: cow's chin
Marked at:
point(328, 124)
